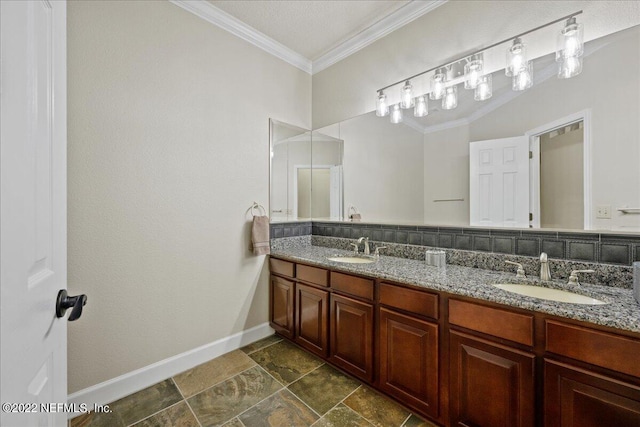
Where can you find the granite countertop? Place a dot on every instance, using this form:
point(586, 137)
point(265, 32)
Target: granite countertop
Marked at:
point(621, 312)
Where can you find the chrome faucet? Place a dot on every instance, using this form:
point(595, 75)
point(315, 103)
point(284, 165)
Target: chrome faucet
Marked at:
point(377, 252)
point(367, 251)
point(545, 273)
point(573, 278)
point(520, 272)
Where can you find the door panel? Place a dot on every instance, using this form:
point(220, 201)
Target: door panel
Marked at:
point(352, 336)
point(578, 398)
point(33, 208)
point(499, 186)
point(491, 385)
point(409, 360)
point(311, 318)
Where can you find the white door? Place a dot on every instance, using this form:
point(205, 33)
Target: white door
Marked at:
point(499, 182)
point(33, 211)
point(335, 193)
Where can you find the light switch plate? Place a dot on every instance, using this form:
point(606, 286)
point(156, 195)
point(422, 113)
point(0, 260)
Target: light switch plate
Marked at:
point(603, 212)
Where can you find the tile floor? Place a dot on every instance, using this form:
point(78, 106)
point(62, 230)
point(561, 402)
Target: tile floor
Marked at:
point(268, 383)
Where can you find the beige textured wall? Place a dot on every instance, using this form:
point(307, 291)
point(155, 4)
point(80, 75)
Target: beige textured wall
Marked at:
point(168, 147)
point(348, 88)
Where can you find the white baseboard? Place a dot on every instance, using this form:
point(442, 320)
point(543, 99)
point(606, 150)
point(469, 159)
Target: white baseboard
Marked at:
point(139, 379)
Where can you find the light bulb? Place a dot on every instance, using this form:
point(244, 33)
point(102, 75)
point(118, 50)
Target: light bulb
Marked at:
point(450, 99)
point(396, 114)
point(524, 79)
point(516, 58)
point(406, 95)
point(437, 84)
point(570, 40)
point(472, 73)
point(421, 109)
point(382, 109)
point(484, 89)
point(569, 67)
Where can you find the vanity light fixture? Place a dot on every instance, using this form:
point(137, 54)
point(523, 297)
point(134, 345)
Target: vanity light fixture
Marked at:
point(570, 49)
point(569, 67)
point(421, 108)
point(523, 80)
point(516, 58)
point(396, 114)
point(570, 40)
point(472, 72)
point(483, 89)
point(406, 95)
point(569, 52)
point(382, 109)
point(450, 99)
point(438, 80)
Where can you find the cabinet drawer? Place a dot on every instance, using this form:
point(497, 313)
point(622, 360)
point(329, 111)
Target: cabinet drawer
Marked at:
point(610, 351)
point(284, 268)
point(352, 285)
point(421, 303)
point(317, 276)
point(505, 324)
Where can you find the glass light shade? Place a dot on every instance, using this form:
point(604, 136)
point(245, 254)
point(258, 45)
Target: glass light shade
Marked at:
point(472, 73)
point(483, 89)
point(382, 109)
point(421, 108)
point(450, 98)
point(437, 84)
point(396, 114)
point(516, 58)
point(406, 95)
point(524, 79)
point(570, 40)
point(569, 67)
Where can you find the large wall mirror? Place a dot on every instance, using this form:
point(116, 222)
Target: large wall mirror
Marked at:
point(306, 174)
point(583, 132)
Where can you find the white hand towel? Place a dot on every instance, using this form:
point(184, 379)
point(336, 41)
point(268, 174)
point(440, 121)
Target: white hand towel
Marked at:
point(260, 235)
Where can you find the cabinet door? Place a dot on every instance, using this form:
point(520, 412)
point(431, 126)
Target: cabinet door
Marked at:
point(574, 397)
point(409, 360)
point(491, 385)
point(311, 318)
point(352, 336)
point(281, 307)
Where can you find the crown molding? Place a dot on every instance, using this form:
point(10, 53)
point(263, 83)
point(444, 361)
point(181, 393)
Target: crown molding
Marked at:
point(218, 17)
point(386, 25)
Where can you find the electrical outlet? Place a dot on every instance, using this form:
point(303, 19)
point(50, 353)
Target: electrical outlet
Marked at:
point(603, 212)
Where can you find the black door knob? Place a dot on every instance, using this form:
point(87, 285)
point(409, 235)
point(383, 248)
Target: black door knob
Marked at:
point(64, 301)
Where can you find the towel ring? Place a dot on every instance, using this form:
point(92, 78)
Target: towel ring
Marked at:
point(259, 208)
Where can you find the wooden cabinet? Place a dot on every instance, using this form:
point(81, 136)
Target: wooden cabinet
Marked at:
point(282, 306)
point(409, 360)
point(311, 318)
point(575, 397)
point(491, 385)
point(457, 360)
point(351, 332)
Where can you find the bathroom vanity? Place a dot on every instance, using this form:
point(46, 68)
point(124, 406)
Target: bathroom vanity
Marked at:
point(457, 350)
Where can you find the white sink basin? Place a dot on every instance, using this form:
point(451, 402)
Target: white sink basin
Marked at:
point(549, 294)
point(352, 259)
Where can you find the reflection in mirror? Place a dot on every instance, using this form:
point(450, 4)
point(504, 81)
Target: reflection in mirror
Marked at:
point(583, 134)
point(290, 149)
point(302, 189)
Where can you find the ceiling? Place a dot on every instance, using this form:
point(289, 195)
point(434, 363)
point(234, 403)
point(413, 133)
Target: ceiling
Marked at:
point(310, 35)
point(310, 28)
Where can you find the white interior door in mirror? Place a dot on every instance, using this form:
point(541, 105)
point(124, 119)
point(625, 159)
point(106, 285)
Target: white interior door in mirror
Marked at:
point(499, 182)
